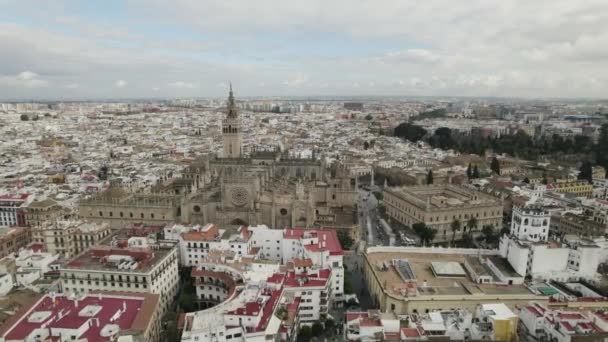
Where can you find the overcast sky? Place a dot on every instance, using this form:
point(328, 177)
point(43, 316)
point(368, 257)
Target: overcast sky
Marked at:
point(185, 48)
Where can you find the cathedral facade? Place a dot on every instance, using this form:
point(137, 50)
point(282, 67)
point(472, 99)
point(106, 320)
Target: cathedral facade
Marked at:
point(265, 187)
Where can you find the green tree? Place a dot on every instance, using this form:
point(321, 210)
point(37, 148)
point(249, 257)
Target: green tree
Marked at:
point(366, 145)
point(305, 333)
point(317, 328)
point(527, 180)
point(455, 226)
point(472, 224)
point(429, 177)
point(601, 149)
point(424, 232)
point(545, 181)
point(442, 138)
point(348, 286)
point(368, 117)
point(432, 114)
point(488, 232)
point(330, 323)
point(476, 172)
point(467, 240)
point(586, 172)
point(187, 301)
point(495, 166)
point(24, 117)
point(469, 171)
point(409, 131)
point(345, 240)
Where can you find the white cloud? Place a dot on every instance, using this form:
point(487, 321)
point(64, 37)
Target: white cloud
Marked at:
point(120, 84)
point(72, 86)
point(296, 80)
point(412, 56)
point(27, 79)
point(509, 48)
point(183, 85)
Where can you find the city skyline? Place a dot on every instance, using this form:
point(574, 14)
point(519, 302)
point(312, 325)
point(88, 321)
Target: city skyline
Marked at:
point(136, 49)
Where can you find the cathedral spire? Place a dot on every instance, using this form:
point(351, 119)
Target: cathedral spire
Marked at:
point(231, 105)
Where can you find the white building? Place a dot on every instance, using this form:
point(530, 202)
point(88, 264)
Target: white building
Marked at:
point(32, 265)
point(196, 241)
point(126, 261)
point(561, 325)
point(530, 223)
point(94, 317)
point(287, 278)
point(531, 254)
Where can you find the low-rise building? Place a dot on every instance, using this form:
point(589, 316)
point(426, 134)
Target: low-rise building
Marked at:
point(409, 280)
point(576, 188)
point(13, 239)
point(32, 264)
point(562, 325)
point(580, 225)
point(438, 206)
point(492, 322)
point(100, 316)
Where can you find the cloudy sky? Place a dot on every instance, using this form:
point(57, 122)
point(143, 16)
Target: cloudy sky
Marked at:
point(185, 48)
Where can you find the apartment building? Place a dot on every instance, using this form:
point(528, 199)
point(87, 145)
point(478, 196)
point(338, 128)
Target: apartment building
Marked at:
point(195, 241)
point(576, 188)
point(12, 210)
point(38, 213)
point(69, 238)
point(100, 316)
point(129, 260)
point(287, 278)
point(13, 239)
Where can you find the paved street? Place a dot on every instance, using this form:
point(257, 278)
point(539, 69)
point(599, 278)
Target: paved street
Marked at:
point(371, 232)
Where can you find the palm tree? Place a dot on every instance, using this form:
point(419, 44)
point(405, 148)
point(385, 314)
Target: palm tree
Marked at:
point(455, 227)
point(472, 223)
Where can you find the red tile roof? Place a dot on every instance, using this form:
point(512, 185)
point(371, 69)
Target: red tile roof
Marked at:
point(410, 332)
point(135, 306)
point(570, 315)
point(351, 316)
point(534, 311)
point(327, 239)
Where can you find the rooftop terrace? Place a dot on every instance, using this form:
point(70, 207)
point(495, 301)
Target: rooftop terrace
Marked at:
point(427, 283)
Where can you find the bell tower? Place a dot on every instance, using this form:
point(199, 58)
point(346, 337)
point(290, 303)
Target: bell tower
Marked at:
point(232, 134)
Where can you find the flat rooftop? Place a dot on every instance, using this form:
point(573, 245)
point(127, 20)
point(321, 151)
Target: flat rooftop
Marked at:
point(443, 196)
point(421, 266)
point(113, 251)
point(114, 311)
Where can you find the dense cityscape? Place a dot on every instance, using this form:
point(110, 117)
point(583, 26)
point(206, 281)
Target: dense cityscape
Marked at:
point(328, 171)
point(245, 219)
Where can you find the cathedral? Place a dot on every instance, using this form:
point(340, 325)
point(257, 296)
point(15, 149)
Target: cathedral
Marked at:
point(265, 187)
